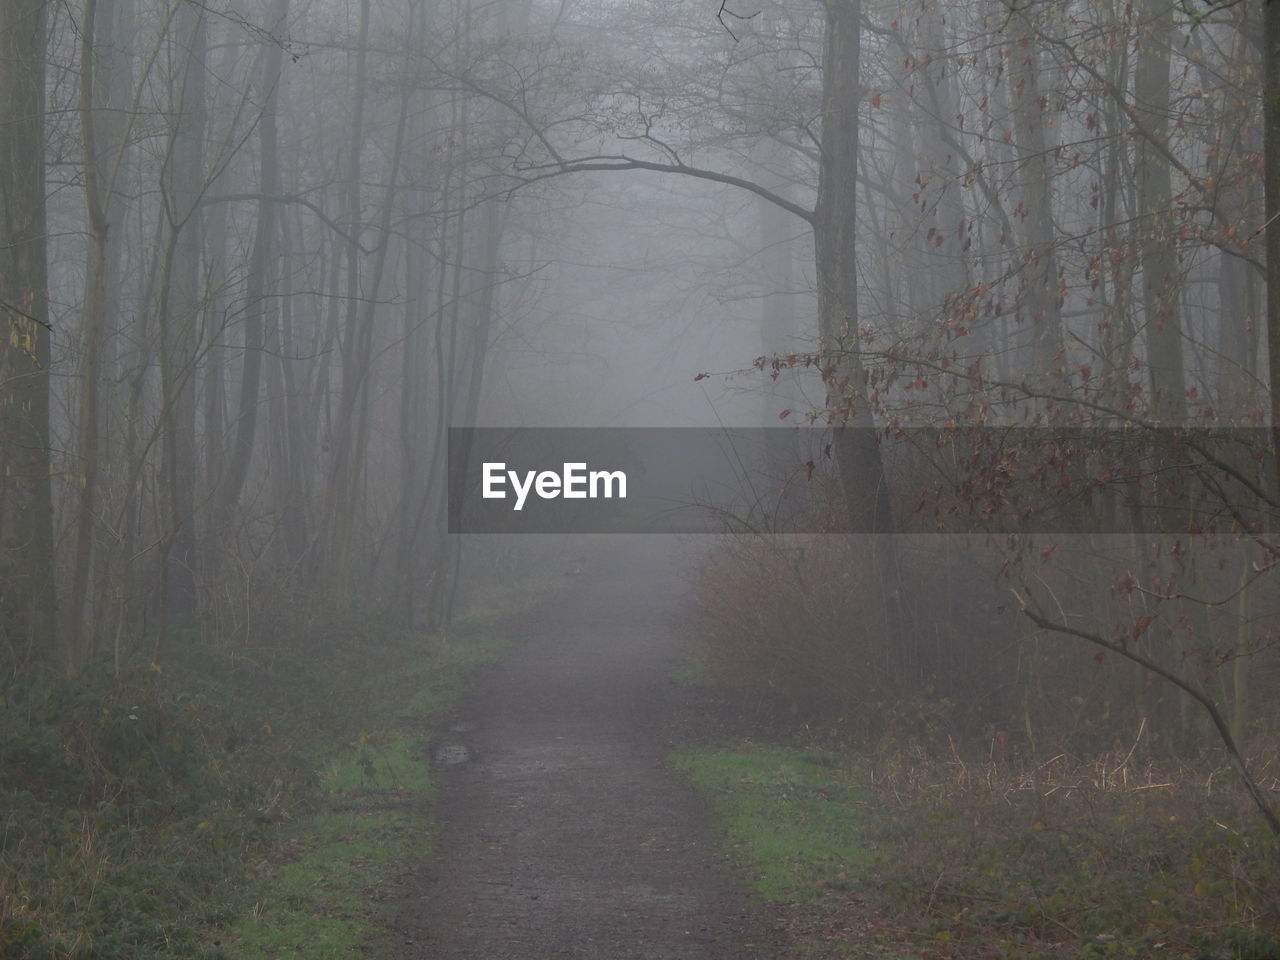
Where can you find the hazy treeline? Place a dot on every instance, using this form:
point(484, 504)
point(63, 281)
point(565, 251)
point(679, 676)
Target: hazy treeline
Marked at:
point(290, 242)
point(273, 263)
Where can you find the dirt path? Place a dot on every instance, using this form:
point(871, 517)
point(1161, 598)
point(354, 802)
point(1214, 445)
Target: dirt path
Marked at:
point(565, 835)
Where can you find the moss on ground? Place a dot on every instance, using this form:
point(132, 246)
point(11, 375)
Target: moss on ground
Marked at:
point(238, 801)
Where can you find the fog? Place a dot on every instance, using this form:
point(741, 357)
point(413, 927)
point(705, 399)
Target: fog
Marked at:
point(287, 246)
point(945, 337)
point(1015, 261)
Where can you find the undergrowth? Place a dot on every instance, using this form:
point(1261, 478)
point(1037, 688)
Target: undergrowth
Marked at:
point(238, 801)
point(902, 855)
point(1096, 858)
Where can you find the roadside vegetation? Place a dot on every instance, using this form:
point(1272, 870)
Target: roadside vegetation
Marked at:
point(936, 859)
point(245, 801)
point(1008, 799)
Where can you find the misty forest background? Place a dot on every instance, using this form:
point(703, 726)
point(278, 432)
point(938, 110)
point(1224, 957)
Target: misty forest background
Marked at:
point(256, 257)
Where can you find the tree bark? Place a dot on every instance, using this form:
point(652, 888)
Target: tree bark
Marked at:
point(79, 636)
point(259, 289)
point(1039, 298)
point(180, 309)
point(26, 528)
point(1161, 285)
point(1271, 184)
point(857, 450)
point(348, 458)
point(856, 446)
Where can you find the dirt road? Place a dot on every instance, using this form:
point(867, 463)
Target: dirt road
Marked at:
point(565, 835)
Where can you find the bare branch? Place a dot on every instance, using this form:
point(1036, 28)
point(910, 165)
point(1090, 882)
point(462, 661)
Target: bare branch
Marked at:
point(1211, 708)
point(622, 162)
point(289, 198)
point(5, 304)
point(724, 9)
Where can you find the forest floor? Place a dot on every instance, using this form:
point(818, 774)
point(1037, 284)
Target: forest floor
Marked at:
point(565, 831)
point(594, 807)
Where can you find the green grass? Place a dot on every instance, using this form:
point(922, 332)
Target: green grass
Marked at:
point(928, 860)
point(318, 906)
point(372, 819)
point(374, 764)
point(794, 819)
point(243, 801)
point(455, 660)
point(372, 816)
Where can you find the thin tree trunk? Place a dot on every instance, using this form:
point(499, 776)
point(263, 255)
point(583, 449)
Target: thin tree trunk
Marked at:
point(857, 449)
point(292, 421)
point(180, 312)
point(80, 640)
point(856, 445)
point(26, 528)
point(347, 457)
point(1161, 284)
point(1271, 184)
point(259, 289)
point(1039, 297)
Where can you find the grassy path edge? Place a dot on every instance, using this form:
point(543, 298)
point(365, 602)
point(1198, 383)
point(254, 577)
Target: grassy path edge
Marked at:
point(933, 867)
point(320, 895)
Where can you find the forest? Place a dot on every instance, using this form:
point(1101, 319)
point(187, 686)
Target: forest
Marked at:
point(1014, 263)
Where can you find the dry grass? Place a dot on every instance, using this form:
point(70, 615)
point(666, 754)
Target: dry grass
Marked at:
point(1030, 800)
point(1108, 856)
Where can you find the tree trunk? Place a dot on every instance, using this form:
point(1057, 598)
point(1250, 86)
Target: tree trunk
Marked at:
point(1039, 298)
point(1271, 182)
point(259, 288)
point(348, 458)
point(179, 313)
point(80, 639)
point(856, 446)
point(26, 528)
point(857, 450)
point(292, 425)
point(1161, 285)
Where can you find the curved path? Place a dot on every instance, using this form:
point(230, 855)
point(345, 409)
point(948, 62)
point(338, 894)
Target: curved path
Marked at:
point(566, 835)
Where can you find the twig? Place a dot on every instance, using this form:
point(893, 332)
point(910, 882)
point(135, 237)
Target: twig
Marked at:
point(724, 8)
point(26, 316)
point(1215, 715)
point(1142, 726)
